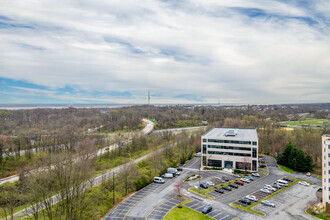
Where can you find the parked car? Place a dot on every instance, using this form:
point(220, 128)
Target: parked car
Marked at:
point(282, 181)
point(276, 186)
point(265, 191)
point(219, 190)
point(262, 165)
point(204, 185)
point(210, 183)
point(179, 169)
point(245, 180)
point(207, 209)
point(270, 188)
point(174, 171)
point(287, 179)
point(308, 174)
point(233, 185)
point(226, 188)
point(239, 182)
point(245, 201)
point(168, 175)
point(198, 154)
point(252, 198)
point(267, 203)
point(304, 183)
point(159, 180)
point(281, 184)
point(225, 178)
point(249, 178)
point(256, 174)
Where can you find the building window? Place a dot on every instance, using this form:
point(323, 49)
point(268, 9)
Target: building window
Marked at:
point(328, 146)
point(230, 141)
point(229, 147)
point(328, 171)
point(329, 163)
point(329, 180)
point(254, 143)
point(328, 155)
point(254, 152)
point(204, 149)
point(204, 160)
point(214, 163)
point(204, 140)
point(329, 188)
point(230, 153)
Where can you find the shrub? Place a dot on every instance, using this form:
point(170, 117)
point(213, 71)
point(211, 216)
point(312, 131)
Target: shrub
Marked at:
point(237, 171)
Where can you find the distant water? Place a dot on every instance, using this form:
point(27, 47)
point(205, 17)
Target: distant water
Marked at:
point(58, 106)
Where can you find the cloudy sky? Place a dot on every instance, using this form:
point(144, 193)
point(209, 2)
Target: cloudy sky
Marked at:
point(183, 51)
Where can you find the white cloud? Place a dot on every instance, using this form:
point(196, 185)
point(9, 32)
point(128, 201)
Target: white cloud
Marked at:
point(197, 47)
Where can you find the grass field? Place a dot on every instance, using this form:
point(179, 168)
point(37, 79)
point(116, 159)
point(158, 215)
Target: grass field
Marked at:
point(286, 169)
point(185, 213)
point(309, 122)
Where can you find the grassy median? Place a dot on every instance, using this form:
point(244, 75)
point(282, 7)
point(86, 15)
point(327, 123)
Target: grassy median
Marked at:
point(185, 213)
point(286, 169)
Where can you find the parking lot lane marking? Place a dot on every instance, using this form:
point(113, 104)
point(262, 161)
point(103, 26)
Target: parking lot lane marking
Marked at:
point(158, 206)
point(223, 217)
point(193, 163)
point(217, 215)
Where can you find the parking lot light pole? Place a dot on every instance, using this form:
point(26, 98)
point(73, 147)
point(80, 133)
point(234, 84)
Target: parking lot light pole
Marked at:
point(113, 182)
point(199, 180)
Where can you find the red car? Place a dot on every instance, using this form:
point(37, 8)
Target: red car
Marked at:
point(239, 182)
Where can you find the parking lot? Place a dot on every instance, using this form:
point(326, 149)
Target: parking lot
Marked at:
point(259, 195)
point(215, 213)
point(291, 203)
point(156, 200)
point(160, 211)
point(123, 208)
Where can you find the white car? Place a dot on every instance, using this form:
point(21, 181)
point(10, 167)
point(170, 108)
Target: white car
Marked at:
point(281, 184)
point(304, 183)
point(210, 183)
point(270, 188)
point(252, 198)
point(256, 174)
point(265, 191)
point(267, 203)
point(245, 180)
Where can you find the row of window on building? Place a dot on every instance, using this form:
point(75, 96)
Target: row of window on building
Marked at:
point(230, 141)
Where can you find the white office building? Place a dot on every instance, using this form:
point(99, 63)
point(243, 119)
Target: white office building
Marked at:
point(326, 171)
point(233, 148)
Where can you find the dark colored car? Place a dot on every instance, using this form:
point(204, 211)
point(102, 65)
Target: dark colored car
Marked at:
point(262, 165)
point(219, 190)
point(225, 178)
point(207, 209)
point(276, 186)
point(226, 188)
point(239, 182)
point(245, 201)
point(233, 186)
point(287, 179)
point(179, 169)
point(203, 185)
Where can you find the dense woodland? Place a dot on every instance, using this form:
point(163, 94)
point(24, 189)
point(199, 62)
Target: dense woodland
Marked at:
point(53, 138)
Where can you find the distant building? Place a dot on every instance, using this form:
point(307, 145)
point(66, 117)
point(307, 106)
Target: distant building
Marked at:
point(326, 171)
point(233, 148)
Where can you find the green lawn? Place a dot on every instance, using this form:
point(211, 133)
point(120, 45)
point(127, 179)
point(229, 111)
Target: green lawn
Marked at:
point(310, 122)
point(185, 213)
point(286, 169)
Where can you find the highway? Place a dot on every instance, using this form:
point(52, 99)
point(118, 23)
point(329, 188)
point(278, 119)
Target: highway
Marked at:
point(96, 181)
